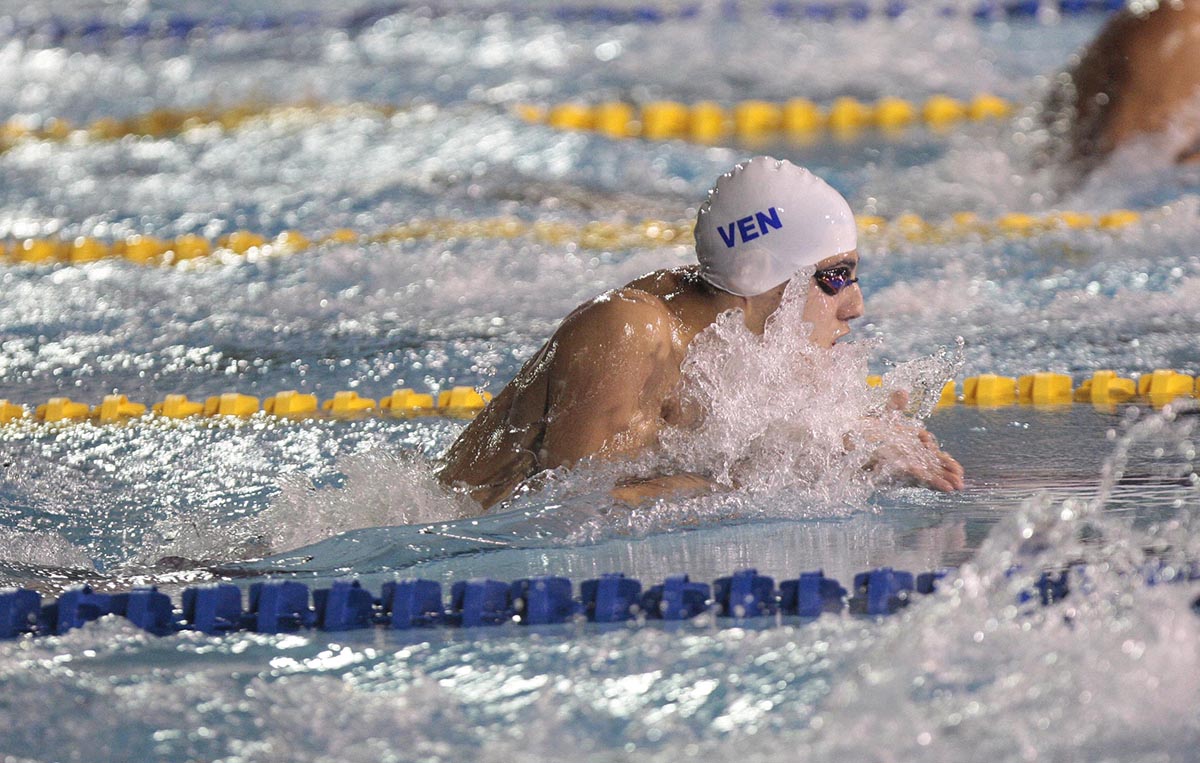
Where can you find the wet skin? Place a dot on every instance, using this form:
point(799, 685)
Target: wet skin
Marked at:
point(1139, 76)
point(608, 381)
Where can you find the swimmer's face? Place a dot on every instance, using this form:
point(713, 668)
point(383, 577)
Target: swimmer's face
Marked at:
point(830, 314)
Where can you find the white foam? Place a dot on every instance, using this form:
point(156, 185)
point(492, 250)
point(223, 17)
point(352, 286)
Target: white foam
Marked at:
point(381, 489)
point(781, 412)
point(378, 489)
point(43, 549)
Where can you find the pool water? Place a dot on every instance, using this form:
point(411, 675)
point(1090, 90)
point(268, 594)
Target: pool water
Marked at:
point(1110, 675)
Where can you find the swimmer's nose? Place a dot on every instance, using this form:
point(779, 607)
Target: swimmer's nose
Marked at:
point(852, 306)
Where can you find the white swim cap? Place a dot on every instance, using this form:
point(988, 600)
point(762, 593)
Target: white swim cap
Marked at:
point(766, 219)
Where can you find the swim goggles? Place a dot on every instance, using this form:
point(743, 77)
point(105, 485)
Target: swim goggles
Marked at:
point(832, 280)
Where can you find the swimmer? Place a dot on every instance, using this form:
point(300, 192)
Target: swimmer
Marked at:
point(1139, 77)
point(608, 380)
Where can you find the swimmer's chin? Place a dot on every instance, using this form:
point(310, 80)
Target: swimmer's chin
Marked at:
point(838, 338)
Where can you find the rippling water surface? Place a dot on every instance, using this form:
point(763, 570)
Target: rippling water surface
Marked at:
point(968, 673)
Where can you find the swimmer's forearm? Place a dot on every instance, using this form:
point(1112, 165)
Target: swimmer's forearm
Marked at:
point(685, 485)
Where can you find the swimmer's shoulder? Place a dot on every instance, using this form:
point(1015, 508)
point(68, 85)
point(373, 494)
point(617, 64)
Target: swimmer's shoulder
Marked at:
point(667, 283)
point(628, 309)
point(629, 317)
point(645, 297)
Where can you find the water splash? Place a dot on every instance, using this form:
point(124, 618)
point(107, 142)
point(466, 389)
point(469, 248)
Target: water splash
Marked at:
point(380, 489)
point(376, 489)
point(1099, 677)
point(781, 412)
point(788, 429)
point(42, 549)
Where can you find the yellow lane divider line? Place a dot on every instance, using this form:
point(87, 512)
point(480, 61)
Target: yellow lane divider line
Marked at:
point(458, 402)
point(705, 121)
point(709, 121)
point(150, 250)
point(1103, 389)
point(164, 123)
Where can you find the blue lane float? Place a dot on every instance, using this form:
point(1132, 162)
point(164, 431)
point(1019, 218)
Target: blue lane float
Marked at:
point(479, 602)
point(811, 595)
point(279, 607)
point(881, 592)
point(613, 598)
point(745, 594)
point(288, 606)
point(678, 598)
point(54, 30)
point(411, 604)
point(18, 612)
point(543, 600)
point(213, 609)
point(345, 606)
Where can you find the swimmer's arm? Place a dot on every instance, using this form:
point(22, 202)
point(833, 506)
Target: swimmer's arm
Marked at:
point(638, 491)
point(613, 366)
point(495, 452)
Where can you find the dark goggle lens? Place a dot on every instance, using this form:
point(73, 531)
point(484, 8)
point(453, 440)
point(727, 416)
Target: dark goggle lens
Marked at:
point(834, 280)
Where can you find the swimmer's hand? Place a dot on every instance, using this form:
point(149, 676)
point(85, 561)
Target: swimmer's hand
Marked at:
point(933, 467)
point(909, 453)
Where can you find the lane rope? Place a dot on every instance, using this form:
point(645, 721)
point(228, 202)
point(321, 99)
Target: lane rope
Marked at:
point(457, 402)
point(1103, 389)
point(58, 30)
point(828, 12)
point(595, 235)
point(165, 123)
point(403, 604)
point(799, 118)
point(704, 121)
point(846, 118)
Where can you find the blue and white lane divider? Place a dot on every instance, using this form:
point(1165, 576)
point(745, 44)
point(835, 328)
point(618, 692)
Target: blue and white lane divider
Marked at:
point(842, 10)
point(284, 606)
point(57, 30)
